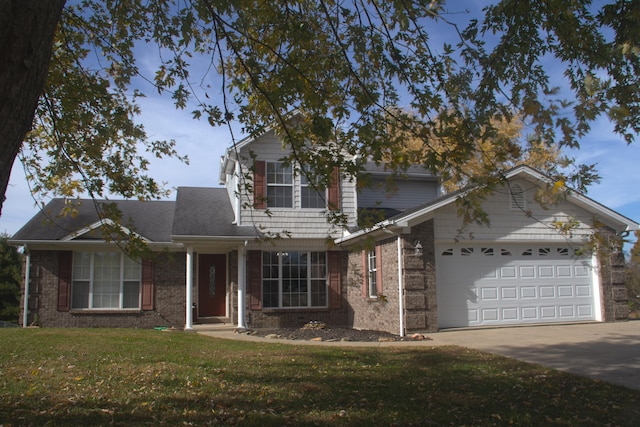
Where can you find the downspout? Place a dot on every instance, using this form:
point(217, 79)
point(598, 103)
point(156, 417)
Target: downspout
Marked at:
point(242, 285)
point(189, 302)
point(27, 279)
point(400, 286)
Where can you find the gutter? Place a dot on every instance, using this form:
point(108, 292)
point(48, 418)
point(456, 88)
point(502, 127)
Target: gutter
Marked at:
point(400, 286)
point(400, 280)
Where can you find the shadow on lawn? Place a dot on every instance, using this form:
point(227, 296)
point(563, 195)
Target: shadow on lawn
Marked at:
point(328, 387)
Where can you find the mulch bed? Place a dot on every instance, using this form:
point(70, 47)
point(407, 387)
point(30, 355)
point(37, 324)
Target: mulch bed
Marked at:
point(316, 331)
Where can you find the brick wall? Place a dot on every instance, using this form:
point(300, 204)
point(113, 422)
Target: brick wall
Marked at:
point(169, 297)
point(380, 313)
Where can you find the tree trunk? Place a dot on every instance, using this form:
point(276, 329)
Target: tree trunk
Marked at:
point(27, 28)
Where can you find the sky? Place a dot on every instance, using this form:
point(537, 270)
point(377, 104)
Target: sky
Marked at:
point(618, 163)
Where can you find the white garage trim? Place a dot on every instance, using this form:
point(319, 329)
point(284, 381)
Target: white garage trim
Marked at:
point(496, 284)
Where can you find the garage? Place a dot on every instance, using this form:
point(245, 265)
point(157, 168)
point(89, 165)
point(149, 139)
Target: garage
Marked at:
point(510, 284)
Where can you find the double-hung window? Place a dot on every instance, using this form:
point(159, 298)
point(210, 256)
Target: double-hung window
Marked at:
point(279, 185)
point(105, 281)
point(310, 197)
point(294, 279)
point(372, 274)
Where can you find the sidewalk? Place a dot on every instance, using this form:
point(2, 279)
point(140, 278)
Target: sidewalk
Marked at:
point(606, 351)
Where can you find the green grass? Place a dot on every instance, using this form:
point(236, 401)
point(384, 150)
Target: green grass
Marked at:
point(145, 377)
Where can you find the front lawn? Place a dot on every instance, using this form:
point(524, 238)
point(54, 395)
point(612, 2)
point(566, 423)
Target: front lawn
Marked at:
point(137, 377)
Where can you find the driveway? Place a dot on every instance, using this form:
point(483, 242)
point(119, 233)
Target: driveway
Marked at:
point(605, 351)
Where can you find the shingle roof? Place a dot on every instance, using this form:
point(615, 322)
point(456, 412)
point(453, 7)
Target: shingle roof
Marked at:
point(206, 212)
point(150, 219)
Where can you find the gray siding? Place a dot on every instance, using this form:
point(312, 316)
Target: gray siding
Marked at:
point(508, 224)
point(296, 222)
point(407, 194)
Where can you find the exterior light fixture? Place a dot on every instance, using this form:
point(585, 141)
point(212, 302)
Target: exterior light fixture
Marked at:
point(418, 247)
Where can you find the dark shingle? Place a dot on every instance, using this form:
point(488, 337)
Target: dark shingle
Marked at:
point(206, 212)
point(151, 219)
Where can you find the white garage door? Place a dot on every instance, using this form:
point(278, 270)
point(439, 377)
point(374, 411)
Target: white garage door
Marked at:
point(489, 285)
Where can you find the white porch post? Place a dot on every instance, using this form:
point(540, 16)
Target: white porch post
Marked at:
point(242, 286)
point(27, 279)
point(189, 285)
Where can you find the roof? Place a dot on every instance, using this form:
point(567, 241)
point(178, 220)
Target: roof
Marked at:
point(150, 219)
point(198, 212)
point(426, 211)
point(206, 212)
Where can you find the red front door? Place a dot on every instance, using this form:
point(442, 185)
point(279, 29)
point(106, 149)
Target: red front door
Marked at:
point(212, 285)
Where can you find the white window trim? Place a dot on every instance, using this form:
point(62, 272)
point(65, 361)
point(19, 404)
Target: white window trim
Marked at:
point(279, 165)
point(372, 274)
point(91, 281)
point(310, 279)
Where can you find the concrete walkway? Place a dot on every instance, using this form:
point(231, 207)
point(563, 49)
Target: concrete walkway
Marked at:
point(605, 351)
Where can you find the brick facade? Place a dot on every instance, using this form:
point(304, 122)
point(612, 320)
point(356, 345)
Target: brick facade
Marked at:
point(420, 311)
point(169, 297)
point(357, 309)
point(373, 313)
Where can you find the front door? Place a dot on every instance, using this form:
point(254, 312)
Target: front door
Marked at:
point(212, 285)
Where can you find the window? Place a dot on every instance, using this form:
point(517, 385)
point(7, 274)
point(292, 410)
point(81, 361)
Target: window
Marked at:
point(105, 280)
point(518, 201)
point(310, 197)
point(279, 185)
point(294, 279)
point(372, 274)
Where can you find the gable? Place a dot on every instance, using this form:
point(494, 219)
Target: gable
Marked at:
point(506, 222)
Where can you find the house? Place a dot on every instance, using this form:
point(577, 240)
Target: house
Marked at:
point(411, 270)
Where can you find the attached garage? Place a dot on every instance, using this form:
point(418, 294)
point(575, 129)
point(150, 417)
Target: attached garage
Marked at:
point(525, 265)
point(511, 284)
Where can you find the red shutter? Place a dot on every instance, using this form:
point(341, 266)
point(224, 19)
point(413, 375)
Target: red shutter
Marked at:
point(147, 285)
point(65, 266)
point(335, 291)
point(379, 269)
point(334, 190)
point(254, 277)
point(259, 185)
point(365, 275)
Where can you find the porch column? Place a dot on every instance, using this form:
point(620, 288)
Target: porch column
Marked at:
point(27, 279)
point(189, 301)
point(242, 285)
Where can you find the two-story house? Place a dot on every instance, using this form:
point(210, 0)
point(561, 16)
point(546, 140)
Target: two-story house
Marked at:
point(215, 256)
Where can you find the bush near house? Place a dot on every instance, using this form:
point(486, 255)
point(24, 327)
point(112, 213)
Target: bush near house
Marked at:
point(10, 279)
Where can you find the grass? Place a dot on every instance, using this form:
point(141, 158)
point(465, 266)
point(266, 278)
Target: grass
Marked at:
point(144, 377)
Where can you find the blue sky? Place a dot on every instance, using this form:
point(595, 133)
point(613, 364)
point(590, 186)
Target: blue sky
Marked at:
point(618, 163)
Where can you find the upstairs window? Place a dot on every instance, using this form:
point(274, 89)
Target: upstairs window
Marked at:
point(279, 185)
point(309, 195)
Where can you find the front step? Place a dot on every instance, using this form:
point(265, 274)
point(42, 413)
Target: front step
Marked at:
point(221, 320)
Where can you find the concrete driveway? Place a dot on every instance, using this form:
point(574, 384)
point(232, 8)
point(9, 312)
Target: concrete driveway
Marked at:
point(605, 351)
